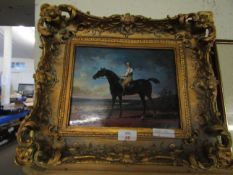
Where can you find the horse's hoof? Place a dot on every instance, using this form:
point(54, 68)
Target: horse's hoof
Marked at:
point(154, 114)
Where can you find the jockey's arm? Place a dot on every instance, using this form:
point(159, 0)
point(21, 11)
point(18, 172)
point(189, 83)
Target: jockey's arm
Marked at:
point(129, 71)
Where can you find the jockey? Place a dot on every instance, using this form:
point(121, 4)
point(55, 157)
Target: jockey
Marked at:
point(128, 77)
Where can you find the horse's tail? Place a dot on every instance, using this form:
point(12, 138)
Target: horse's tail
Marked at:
point(154, 80)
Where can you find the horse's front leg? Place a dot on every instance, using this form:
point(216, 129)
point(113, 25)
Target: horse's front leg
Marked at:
point(113, 101)
point(120, 103)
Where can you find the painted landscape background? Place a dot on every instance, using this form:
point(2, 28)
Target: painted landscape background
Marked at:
point(91, 99)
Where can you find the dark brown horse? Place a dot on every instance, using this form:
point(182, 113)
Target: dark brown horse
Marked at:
point(141, 86)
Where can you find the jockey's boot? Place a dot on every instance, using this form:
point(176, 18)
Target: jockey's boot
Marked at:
point(123, 92)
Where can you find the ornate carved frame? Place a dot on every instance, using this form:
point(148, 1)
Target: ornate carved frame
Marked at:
point(45, 141)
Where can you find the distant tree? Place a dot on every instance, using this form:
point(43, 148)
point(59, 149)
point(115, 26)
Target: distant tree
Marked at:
point(169, 92)
point(163, 92)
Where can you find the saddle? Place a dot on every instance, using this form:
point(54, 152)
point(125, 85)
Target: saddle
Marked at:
point(128, 86)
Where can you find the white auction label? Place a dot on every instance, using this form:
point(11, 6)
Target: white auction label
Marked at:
point(169, 133)
point(127, 135)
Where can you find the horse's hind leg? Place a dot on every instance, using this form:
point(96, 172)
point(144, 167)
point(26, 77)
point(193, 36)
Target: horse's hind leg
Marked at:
point(142, 96)
point(152, 105)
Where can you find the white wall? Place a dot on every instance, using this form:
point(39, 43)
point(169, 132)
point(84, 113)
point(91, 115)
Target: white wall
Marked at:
point(0, 64)
point(225, 52)
point(25, 76)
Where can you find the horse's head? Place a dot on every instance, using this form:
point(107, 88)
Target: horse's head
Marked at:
point(100, 73)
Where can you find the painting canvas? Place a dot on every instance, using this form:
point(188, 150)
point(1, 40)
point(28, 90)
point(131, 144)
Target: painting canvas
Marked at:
point(103, 95)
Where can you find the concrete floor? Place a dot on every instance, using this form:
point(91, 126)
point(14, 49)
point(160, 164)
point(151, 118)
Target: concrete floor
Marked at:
point(7, 165)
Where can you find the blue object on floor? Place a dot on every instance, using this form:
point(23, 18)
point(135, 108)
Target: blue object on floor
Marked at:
point(7, 118)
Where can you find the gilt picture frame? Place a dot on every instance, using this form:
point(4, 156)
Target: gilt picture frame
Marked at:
point(48, 140)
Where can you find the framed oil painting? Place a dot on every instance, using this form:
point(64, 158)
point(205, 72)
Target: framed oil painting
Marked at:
point(100, 96)
point(125, 91)
point(125, 85)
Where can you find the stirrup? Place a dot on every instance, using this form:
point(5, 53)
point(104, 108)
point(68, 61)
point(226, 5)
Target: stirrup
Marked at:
point(123, 92)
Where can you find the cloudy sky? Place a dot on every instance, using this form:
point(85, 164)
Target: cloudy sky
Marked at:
point(147, 63)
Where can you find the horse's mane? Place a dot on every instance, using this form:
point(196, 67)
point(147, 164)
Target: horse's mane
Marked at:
point(113, 74)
